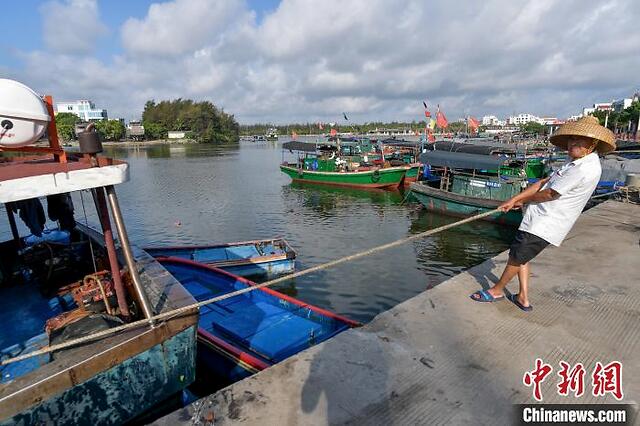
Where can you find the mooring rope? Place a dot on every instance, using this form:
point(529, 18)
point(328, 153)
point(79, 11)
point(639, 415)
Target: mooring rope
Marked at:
point(179, 311)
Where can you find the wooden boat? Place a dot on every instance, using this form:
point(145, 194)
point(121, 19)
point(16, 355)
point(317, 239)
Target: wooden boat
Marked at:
point(70, 282)
point(247, 333)
point(325, 164)
point(268, 257)
point(463, 184)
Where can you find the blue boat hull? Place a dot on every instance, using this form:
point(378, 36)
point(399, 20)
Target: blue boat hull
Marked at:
point(242, 335)
point(259, 258)
point(266, 269)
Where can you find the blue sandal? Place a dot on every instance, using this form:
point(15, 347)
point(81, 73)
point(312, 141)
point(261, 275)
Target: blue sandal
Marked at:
point(485, 296)
point(514, 299)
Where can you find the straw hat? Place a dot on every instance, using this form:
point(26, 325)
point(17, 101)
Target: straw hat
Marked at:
point(587, 127)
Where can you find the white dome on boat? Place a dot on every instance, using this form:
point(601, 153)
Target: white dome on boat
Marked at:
point(23, 114)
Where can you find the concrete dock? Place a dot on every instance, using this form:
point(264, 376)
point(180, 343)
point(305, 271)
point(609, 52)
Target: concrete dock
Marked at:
point(441, 358)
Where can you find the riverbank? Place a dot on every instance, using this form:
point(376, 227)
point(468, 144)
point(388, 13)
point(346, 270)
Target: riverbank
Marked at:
point(442, 358)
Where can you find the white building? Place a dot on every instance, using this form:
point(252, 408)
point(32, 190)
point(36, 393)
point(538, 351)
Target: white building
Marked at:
point(176, 134)
point(621, 104)
point(490, 120)
point(84, 109)
point(521, 119)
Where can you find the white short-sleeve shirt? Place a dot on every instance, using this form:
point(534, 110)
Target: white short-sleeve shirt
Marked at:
point(575, 182)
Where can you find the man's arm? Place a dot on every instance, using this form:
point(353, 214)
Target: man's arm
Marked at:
point(533, 194)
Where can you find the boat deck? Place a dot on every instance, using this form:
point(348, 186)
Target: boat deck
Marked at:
point(440, 358)
point(260, 322)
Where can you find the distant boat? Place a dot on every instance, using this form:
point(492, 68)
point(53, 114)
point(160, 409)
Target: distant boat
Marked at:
point(329, 164)
point(272, 134)
point(268, 257)
point(245, 334)
point(463, 184)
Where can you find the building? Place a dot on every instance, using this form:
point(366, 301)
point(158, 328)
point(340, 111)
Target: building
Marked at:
point(135, 130)
point(621, 104)
point(490, 120)
point(84, 109)
point(176, 134)
point(521, 119)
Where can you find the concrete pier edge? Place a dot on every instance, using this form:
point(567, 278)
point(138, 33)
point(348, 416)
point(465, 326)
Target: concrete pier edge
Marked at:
point(441, 358)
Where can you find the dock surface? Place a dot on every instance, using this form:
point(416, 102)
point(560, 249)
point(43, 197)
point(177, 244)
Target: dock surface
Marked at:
point(441, 358)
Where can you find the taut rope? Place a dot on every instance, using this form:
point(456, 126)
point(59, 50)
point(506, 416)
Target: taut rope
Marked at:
point(185, 309)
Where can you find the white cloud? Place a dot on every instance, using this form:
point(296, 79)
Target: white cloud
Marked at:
point(72, 26)
point(376, 60)
point(180, 26)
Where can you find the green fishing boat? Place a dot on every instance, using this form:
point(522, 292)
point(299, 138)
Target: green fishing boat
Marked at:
point(462, 184)
point(390, 177)
point(326, 164)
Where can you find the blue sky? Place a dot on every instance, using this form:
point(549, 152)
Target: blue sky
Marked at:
point(23, 25)
point(309, 60)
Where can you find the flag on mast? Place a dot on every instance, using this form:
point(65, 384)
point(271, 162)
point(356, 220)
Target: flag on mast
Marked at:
point(441, 120)
point(473, 124)
point(426, 110)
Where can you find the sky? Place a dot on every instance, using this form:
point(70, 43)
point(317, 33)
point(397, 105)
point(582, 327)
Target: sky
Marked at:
point(311, 60)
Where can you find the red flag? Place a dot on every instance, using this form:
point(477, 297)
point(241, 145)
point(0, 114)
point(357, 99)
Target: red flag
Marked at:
point(427, 113)
point(473, 124)
point(441, 120)
point(431, 138)
point(333, 132)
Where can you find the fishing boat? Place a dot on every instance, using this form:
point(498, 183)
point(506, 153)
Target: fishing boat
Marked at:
point(462, 184)
point(343, 165)
point(272, 134)
point(247, 333)
point(69, 282)
point(256, 258)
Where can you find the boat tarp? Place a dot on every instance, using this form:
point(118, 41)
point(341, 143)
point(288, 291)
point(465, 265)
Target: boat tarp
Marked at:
point(300, 146)
point(470, 148)
point(401, 142)
point(462, 160)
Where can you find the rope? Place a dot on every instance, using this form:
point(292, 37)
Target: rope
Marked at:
point(185, 309)
point(605, 194)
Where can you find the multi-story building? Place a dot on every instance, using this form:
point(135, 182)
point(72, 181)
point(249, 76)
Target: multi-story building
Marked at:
point(521, 119)
point(84, 109)
point(621, 104)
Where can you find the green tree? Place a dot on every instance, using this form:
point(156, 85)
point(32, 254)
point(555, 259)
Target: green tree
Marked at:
point(533, 127)
point(65, 123)
point(110, 130)
point(202, 121)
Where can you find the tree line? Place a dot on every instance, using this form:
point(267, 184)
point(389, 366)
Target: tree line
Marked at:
point(621, 121)
point(201, 121)
point(109, 130)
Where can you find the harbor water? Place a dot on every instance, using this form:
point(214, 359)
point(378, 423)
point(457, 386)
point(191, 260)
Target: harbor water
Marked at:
point(204, 194)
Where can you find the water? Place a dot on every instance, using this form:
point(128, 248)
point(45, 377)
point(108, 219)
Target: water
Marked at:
point(201, 194)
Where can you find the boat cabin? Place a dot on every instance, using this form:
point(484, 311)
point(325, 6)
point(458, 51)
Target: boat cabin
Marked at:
point(475, 175)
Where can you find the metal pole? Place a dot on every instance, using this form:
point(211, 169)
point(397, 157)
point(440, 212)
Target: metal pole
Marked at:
point(105, 222)
point(126, 249)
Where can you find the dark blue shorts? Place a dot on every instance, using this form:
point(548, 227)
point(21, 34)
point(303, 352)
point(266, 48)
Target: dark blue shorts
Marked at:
point(525, 247)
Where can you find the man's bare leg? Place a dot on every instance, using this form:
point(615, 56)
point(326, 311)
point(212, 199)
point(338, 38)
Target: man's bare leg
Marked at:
point(523, 277)
point(511, 270)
